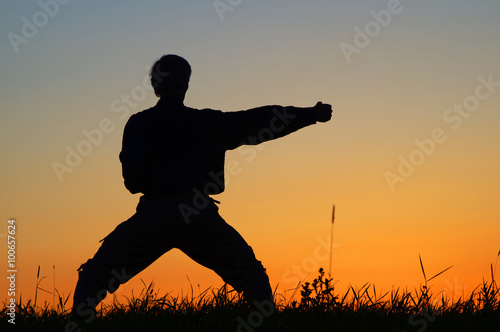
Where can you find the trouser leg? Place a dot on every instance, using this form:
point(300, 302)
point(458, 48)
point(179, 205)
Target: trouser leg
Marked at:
point(216, 245)
point(123, 254)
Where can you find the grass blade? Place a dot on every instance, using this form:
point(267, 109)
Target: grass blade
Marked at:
point(441, 272)
point(422, 266)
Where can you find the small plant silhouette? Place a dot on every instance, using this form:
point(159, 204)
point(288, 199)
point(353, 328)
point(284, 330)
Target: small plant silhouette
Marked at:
point(319, 293)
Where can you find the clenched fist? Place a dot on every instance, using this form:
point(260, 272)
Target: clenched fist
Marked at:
point(323, 112)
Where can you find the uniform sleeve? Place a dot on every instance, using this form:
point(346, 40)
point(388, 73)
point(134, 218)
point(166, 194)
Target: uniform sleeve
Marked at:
point(134, 156)
point(261, 124)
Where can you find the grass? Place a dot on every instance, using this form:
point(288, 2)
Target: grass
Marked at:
point(318, 308)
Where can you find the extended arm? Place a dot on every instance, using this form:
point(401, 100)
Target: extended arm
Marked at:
point(265, 123)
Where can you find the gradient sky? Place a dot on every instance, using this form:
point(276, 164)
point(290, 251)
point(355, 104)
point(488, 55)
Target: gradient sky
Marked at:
point(401, 85)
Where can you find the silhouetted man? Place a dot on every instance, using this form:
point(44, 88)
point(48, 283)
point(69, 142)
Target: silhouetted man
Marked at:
point(174, 156)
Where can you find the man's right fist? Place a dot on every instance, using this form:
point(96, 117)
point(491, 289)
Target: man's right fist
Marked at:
point(323, 112)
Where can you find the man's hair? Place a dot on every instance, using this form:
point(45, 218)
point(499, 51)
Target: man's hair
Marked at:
point(170, 73)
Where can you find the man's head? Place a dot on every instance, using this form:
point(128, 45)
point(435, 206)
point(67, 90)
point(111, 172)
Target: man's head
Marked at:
point(170, 76)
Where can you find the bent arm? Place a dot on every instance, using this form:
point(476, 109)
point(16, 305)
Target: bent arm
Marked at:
point(134, 156)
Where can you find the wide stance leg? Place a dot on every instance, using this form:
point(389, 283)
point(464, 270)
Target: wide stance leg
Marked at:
point(123, 254)
point(216, 245)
